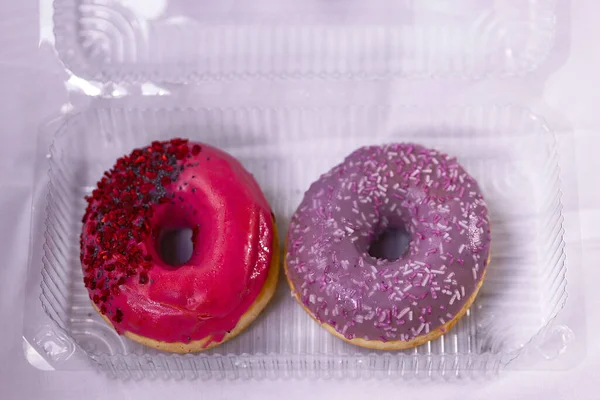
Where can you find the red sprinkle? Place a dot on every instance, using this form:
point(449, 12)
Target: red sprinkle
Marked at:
point(143, 277)
point(117, 219)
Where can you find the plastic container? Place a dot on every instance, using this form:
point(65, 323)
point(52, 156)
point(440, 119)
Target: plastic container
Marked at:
point(184, 41)
point(511, 152)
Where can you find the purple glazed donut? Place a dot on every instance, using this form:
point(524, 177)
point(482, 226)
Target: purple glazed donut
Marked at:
point(346, 271)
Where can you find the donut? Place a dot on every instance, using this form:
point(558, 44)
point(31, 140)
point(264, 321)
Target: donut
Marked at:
point(336, 262)
point(185, 305)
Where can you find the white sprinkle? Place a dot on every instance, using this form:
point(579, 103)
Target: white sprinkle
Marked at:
point(344, 329)
point(410, 315)
point(442, 320)
point(403, 312)
point(349, 230)
point(461, 249)
point(326, 312)
point(435, 161)
point(474, 273)
point(408, 287)
point(436, 271)
point(408, 272)
point(452, 300)
point(359, 319)
point(449, 315)
point(420, 328)
point(405, 159)
point(462, 290)
point(427, 327)
point(312, 298)
point(457, 294)
point(426, 280)
point(361, 263)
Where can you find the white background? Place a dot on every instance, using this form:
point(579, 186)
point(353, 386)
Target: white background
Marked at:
point(565, 90)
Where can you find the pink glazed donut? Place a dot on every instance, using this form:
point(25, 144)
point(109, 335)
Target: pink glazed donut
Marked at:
point(338, 271)
point(193, 304)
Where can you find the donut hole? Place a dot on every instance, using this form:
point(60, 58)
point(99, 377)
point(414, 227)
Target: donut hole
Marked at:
point(391, 244)
point(175, 246)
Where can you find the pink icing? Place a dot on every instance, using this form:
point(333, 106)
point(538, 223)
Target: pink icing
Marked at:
point(425, 192)
point(211, 193)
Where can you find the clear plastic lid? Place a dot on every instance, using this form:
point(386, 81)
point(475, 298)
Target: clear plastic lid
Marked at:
point(186, 41)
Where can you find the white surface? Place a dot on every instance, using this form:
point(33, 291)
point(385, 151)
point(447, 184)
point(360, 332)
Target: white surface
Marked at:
point(565, 90)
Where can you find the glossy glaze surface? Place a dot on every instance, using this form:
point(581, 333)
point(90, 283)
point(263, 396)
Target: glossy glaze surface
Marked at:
point(166, 186)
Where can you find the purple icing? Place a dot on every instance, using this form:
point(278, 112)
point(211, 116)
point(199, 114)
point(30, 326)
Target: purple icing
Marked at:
point(376, 188)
